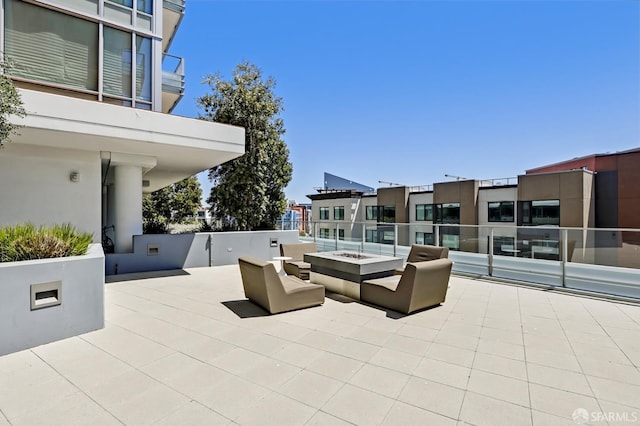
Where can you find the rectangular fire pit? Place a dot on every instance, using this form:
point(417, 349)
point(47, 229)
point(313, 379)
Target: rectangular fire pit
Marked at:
point(343, 271)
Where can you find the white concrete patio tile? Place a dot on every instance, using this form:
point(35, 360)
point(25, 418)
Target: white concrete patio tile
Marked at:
point(407, 344)
point(207, 350)
point(297, 354)
point(586, 351)
point(263, 344)
point(320, 340)
point(384, 324)
point(558, 402)
point(185, 374)
point(457, 340)
point(26, 367)
point(506, 336)
point(20, 398)
point(510, 323)
point(500, 365)
point(417, 332)
point(147, 406)
point(358, 406)
point(614, 391)
point(3, 420)
point(336, 366)
point(503, 349)
point(276, 410)
point(270, 373)
point(459, 356)
point(380, 380)
point(610, 370)
point(371, 336)
point(396, 360)
point(73, 409)
point(559, 379)
point(238, 360)
point(482, 410)
point(553, 359)
point(546, 343)
point(311, 388)
point(618, 414)
point(193, 413)
point(286, 331)
point(499, 387)
point(432, 396)
point(323, 419)
point(127, 346)
point(402, 414)
point(232, 397)
point(545, 419)
point(443, 372)
point(354, 349)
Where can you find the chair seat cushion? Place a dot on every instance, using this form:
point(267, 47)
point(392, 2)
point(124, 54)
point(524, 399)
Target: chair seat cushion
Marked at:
point(390, 283)
point(300, 264)
point(293, 284)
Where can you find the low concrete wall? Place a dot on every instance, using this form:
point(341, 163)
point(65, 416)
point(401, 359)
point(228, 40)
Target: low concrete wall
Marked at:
point(81, 296)
point(163, 252)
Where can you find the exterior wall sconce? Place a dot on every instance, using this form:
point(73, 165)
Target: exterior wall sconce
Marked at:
point(74, 177)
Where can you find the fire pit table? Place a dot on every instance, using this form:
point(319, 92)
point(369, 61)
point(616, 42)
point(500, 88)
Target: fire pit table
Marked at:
point(343, 271)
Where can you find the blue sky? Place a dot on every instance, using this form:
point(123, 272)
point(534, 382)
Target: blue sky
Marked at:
point(407, 91)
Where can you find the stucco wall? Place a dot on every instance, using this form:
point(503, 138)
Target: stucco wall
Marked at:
point(82, 300)
point(164, 252)
point(36, 187)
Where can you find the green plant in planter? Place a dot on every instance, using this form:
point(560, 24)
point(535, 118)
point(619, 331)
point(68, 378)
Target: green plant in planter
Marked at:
point(28, 242)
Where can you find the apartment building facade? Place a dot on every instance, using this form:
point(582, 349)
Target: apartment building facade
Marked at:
point(97, 82)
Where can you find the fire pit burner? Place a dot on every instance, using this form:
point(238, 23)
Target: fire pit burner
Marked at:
point(353, 255)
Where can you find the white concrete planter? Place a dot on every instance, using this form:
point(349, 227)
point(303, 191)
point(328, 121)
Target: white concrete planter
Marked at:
point(45, 300)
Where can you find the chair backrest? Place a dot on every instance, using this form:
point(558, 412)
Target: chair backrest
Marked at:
point(259, 280)
point(296, 251)
point(422, 253)
point(425, 283)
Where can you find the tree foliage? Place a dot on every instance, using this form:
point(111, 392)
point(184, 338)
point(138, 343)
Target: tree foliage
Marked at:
point(248, 191)
point(10, 104)
point(176, 203)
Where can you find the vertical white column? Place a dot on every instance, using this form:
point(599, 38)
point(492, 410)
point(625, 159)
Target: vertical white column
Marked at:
point(128, 206)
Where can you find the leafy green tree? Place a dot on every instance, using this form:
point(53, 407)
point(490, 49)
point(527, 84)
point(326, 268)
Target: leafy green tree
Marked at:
point(10, 104)
point(248, 191)
point(186, 199)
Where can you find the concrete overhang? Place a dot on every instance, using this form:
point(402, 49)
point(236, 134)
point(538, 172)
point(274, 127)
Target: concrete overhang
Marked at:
point(182, 146)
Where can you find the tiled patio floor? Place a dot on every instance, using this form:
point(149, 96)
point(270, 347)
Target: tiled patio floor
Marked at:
point(187, 349)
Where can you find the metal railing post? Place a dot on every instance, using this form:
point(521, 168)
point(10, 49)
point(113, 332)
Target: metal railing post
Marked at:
point(490, 252)
point(565, 253)
point(436, 237)
point(395, 238)
point(363, 237)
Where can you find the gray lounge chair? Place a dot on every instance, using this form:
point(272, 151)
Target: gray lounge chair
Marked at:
point(423, 284)
point(276, 293)
point(297, 266)
point(424, 253)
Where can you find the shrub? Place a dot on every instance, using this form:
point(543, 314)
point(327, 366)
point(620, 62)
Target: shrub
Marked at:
point(26, 242)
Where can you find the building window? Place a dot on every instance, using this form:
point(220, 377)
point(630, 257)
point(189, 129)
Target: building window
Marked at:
point(501, 211)
point(448, 213)
point(389, 214)
point(424, 212)
point(324, 232)
point(338, 213)
point(340, 234)
point(452, 241)
point(540, 212)
point(424, 238)
point(372, 213)
point(51, 47)
point(371, 235)
point(324, 213)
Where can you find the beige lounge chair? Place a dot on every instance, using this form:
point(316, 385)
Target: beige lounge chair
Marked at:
point(276, 293)
point(424, 253)
point(422, 284)
point(297, 266)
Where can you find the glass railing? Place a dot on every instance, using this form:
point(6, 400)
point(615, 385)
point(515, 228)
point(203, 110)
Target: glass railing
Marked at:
point(174, 5)
point(172, 74)
point(592, 259)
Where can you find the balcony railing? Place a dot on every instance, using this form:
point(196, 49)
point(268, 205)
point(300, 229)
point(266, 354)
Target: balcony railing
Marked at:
point(174, 5)
point(172, 74)
point(598, 260)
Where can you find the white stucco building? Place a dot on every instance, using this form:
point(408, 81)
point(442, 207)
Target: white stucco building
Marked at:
point(98, 132)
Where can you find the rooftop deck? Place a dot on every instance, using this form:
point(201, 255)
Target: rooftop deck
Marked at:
point(187, 348)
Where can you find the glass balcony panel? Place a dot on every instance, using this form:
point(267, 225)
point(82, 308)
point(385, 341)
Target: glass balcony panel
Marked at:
point(173, 74)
